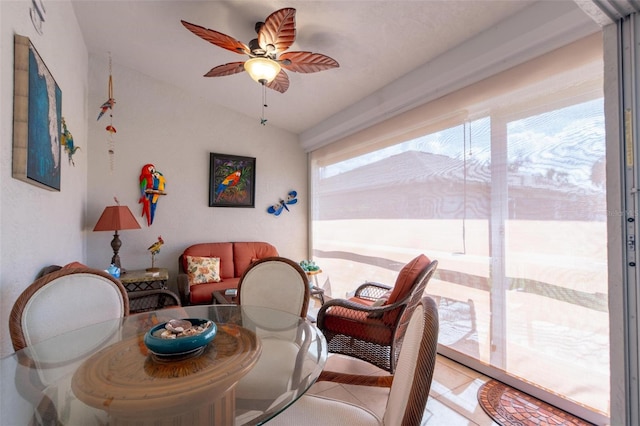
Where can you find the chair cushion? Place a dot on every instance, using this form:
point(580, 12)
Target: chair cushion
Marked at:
point(314, 410)
point(245, 253)
point(202, 294)
point(203, 270)
point(407, 278)
point(404, 285)
point(357, 324)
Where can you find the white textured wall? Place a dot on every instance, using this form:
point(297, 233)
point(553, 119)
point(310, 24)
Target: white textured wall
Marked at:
point(157, 123)
point(39, 227)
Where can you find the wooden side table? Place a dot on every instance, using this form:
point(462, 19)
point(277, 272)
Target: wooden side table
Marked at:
point(142, 280)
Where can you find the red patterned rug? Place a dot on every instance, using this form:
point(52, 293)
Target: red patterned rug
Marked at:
point(510, 407)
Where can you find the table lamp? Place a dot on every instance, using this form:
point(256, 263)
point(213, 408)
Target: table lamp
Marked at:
point(116, 218)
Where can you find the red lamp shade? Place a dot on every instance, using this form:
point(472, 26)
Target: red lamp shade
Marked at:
point(116, 218)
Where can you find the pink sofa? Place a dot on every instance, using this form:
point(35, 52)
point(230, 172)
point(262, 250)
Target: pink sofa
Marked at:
point(235, 258)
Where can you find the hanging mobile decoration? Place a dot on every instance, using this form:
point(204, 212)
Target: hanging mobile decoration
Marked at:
point(66, 140)
point(108, 106)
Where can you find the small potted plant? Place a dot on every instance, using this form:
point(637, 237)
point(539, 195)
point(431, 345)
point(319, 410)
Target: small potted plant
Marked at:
point(309, 266)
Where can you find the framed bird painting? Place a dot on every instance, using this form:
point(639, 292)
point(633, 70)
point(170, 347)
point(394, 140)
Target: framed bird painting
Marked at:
point(232, 181)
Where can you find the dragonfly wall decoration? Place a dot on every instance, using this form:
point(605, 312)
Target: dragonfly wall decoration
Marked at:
point(277, 208)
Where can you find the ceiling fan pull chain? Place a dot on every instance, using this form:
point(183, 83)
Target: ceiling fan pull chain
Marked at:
point(263, 120)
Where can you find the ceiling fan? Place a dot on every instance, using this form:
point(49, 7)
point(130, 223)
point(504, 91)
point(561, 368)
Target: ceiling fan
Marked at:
point(266, 58)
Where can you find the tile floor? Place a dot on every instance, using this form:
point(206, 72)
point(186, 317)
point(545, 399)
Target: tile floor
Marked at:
point(452, 398)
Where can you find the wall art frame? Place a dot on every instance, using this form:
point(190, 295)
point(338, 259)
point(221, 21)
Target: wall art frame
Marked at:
point(232, 180)
point(37, 119)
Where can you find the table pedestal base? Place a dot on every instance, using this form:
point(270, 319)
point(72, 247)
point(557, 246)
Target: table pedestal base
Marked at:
point(220, 411)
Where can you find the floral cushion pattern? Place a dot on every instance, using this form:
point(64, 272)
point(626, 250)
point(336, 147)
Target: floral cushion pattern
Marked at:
point(203, 269)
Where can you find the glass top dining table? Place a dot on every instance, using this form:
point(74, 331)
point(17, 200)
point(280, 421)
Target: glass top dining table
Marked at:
point(259, 362)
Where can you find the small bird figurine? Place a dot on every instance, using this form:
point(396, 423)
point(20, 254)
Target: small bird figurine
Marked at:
point(66, 140)
point(106, 106)
point(229, 181)
point(155, 247)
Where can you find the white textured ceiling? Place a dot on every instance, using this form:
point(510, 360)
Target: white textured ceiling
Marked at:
point(375, 42)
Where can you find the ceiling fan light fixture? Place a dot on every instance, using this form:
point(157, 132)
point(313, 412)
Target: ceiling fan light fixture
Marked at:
point(262, 70)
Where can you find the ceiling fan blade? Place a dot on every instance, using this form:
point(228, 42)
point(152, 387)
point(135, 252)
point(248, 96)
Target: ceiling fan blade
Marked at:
point(226, 69)
point(219, 39)
point(307, 62)
point(280, 83)
point(279, 30)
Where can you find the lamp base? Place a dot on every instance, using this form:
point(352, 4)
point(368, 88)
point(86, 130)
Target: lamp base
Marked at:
point(152, 269)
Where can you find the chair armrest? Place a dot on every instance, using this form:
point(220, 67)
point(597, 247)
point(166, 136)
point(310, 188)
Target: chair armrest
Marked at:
point(367, 311)
point(356, 379)
point(371, 290)
point(183, 289)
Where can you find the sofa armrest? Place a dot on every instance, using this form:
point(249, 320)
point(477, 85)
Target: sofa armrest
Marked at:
point(183, 289)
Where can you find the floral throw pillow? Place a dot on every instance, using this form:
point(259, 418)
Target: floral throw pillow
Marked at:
point(203, 269)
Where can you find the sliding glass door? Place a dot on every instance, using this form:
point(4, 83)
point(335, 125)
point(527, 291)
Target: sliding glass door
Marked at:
point(504, 184)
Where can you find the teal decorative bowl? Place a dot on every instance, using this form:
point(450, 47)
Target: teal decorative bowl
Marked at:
point(181, 345)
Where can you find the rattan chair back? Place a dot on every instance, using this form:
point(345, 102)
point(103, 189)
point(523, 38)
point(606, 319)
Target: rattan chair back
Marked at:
point(64, 300)
point(275, 282)
point(416, 364)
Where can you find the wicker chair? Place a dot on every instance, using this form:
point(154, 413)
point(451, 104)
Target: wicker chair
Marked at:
point(371, 325)
point(409, 386)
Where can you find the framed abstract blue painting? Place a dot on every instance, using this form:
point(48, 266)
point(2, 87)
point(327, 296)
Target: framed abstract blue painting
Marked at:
point(37, 115)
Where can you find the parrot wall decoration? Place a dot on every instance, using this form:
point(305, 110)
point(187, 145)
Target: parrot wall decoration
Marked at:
point(228, 182)
point(152, 185)
point(66, 139)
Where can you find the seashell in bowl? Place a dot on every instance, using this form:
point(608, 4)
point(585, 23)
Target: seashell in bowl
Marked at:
point(181, 336)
